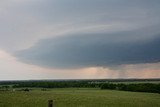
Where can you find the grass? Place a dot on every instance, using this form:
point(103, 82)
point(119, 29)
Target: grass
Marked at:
point(74, 97)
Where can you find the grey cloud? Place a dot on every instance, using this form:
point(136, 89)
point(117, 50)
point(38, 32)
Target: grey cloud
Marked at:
point(24, 22)
point(93, 37)
point(87, 50)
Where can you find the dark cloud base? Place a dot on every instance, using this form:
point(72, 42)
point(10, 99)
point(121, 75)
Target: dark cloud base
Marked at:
point(88, 50)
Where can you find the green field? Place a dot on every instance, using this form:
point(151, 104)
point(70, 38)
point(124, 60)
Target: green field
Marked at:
point(74, 97)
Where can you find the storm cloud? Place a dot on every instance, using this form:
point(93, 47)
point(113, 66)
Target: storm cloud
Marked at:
point(79, 39)
point(24, 22)
point(97, 49)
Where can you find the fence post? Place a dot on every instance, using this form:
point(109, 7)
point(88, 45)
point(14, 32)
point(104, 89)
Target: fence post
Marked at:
point(50, 103)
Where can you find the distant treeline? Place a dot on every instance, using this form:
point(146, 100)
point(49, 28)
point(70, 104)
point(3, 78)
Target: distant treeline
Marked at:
point(140, 87)
point(120, 84)
point(135, 87)
point(77, 80)
point(57, 84)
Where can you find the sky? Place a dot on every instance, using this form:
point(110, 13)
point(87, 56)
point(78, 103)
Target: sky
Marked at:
point(79, 39)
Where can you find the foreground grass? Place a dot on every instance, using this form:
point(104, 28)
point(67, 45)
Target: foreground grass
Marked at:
point(79, 98)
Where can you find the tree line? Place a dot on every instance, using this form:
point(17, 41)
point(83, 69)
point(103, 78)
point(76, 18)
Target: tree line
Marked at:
point(138, 87)
point(57, 84)
point(102, 84)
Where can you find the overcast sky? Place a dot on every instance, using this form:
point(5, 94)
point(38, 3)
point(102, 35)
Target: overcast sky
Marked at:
point(76, 39)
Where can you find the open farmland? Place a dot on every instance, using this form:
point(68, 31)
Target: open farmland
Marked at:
point(78, 97)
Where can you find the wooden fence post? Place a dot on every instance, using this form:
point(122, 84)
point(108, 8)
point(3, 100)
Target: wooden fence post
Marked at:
point(50, 103)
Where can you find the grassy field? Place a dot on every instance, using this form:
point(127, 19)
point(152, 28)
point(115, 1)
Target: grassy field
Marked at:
point(74, 97)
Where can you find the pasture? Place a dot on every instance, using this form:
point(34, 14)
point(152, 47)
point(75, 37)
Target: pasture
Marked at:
point(78, 97)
